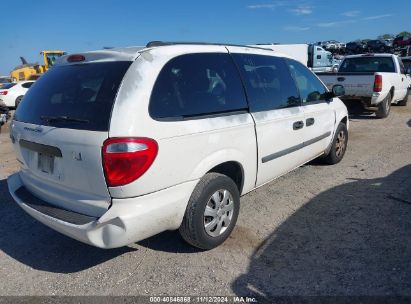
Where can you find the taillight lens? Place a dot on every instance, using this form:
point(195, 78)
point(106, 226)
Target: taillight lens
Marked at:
point(126, 159)
point(4, 92)
point(76, 58)
point(378, 83)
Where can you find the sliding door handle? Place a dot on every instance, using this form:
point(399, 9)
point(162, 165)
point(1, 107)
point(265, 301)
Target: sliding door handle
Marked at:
point(298, 125)
point(309, 121)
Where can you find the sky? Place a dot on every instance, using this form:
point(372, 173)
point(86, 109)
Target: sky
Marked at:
point(74, 26)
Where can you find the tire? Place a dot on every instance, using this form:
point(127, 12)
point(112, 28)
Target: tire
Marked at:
point(201, 230)
point(384, 107)
point(403, 102)
point(338, 146)
point(18, 101)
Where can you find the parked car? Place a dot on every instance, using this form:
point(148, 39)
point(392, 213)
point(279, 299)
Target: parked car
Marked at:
point(401, 41)
point(378, 46)
point(407, 63)
point(389, 41)
point(333, 45)
point(356, 47)
point(406, 52)
point(377, 80)
point(4, 80)
point(174, 146)
point(341, 45)
point(4, 114)
point(12, 94)
point(329, 45)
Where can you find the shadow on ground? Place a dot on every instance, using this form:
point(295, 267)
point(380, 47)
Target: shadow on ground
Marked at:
point(357, 111)
point(354, 239)
point(39, 247)
point(168, 241)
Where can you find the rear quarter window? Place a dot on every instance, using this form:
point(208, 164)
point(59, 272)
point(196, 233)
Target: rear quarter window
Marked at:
point(27, 85)
point(83, 92)
point(195, 85)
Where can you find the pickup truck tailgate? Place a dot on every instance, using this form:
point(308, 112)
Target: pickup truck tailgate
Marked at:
point(360, 84)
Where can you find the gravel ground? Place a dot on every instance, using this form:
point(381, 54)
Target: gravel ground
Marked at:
point(320, 230)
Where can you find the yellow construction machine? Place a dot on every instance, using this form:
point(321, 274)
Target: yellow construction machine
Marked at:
point(32, 71)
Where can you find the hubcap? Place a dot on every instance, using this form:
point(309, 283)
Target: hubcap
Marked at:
point(340, 144)
point(218, 213)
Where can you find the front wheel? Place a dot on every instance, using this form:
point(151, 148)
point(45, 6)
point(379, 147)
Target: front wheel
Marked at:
point(384, 107)
point(212, 211)
point(338, 146)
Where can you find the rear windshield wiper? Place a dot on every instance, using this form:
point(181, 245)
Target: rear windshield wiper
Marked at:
point(50, 119)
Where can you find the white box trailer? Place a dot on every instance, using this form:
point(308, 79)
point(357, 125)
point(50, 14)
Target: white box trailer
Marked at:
point(312, 56)
point(297, 51)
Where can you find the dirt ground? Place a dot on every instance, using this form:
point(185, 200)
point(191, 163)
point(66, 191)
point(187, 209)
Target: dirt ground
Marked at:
point(340, 230)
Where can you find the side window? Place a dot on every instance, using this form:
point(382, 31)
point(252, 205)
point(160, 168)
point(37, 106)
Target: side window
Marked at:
point(311, 89)
point(197, 84)
point(268, 82)
point(27, 85)
point(407, 64)
point(402, 68)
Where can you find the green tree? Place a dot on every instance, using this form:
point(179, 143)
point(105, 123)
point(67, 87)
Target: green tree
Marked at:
point(404, 33)
point(386, 36)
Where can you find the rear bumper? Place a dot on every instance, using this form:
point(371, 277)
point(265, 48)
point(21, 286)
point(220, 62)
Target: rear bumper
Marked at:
point(374, 100)
point(125, 222)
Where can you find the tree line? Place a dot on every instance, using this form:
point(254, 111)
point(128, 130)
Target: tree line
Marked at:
point(392, 36)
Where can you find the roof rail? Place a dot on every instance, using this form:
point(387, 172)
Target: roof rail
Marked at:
point(165, 43)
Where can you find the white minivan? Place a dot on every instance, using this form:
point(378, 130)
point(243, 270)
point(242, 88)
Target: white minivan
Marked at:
point(118, 145)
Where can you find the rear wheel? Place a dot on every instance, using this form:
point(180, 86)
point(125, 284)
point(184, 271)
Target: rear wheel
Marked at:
point(18, 101)
point(384, 107)
point(338, 146)
point(212, 211)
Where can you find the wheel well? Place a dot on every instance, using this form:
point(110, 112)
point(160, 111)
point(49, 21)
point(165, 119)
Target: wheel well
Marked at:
point(392, 92)
point(344, 120)
point(233, 170)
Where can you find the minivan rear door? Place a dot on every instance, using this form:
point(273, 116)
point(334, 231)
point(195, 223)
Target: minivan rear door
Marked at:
point(59, 129)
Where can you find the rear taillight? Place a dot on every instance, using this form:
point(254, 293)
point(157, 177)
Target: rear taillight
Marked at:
point(378, 83)
point(76, 58)
point(4, 92)
point(126, 159)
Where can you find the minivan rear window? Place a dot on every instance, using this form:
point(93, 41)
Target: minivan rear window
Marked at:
point(79, 96)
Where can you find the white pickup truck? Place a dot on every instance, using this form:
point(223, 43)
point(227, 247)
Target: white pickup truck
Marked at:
point(377, 80)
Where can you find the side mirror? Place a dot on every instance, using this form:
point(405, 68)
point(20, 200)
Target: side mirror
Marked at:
point(338, 90)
